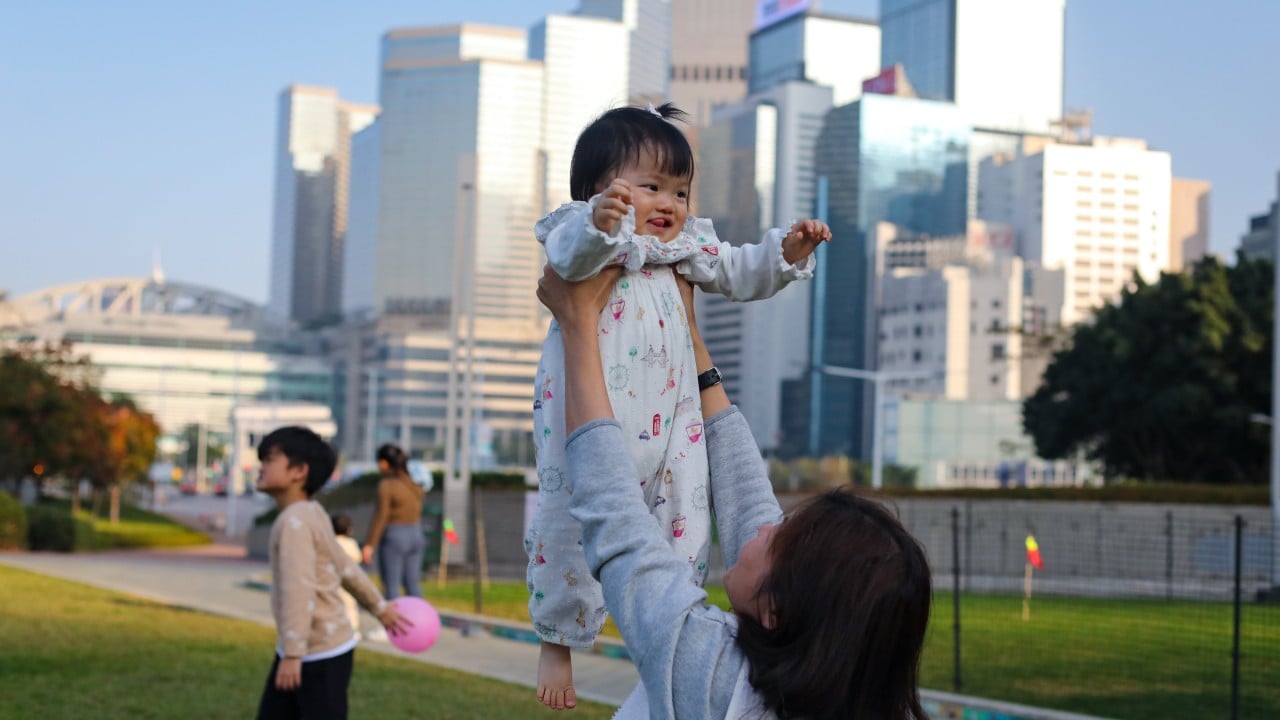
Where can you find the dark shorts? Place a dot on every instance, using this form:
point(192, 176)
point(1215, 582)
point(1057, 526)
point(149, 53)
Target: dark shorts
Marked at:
point(322, 695)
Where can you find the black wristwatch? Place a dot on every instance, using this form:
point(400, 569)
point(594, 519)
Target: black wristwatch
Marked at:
point(709, 379)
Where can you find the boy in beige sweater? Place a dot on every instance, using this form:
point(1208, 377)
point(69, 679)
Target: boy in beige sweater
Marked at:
point(315, 646)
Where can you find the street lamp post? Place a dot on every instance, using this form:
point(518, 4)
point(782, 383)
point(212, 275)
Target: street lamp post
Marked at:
point(877, 378)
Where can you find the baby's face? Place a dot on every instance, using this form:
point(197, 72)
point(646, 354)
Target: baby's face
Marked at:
point(661, 200)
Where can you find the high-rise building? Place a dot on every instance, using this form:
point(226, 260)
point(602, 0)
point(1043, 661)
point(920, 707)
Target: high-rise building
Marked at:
point(310, 215)
point(709, 54)
point(460, 172)
point(649, 25)
point(886, 159)
point(585, 63)
point(1098, 211)
point(839, 52)
point(756, 163)
point(1188, 222)
point(1263, 238)
point(1001, 61)
point(360, 250)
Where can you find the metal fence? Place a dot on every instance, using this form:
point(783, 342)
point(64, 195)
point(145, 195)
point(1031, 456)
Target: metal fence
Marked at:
point(1140, 611)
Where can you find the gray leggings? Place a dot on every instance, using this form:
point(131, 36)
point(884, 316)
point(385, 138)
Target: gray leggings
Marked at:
point(400, 559)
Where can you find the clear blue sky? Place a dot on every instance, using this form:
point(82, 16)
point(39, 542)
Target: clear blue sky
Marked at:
point(150, 123)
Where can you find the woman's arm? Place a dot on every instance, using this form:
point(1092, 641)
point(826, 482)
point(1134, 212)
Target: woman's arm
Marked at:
point(741, 494)
point(683, 649)
point(380, 518)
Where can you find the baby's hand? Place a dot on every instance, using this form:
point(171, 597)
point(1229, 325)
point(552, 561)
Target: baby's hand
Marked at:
point(804, 237)
point(612, 205)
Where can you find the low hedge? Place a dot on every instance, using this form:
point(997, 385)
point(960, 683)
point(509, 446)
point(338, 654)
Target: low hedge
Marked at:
point(13, 523)
point(1130, 492)
point(53, 528)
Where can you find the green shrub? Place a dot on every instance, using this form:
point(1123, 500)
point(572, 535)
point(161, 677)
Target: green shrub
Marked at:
point(52, 528)
point(13, 523)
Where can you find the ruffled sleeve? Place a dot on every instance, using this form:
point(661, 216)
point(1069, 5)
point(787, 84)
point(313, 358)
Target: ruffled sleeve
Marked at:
point(747, 272)
point(577, 249)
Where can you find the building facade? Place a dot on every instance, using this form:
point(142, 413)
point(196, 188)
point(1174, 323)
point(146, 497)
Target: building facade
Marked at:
point(186, 354)
point(586, 66)
point(313, 154)
point(459, 173)
point(1097, 211)
point(756, 161)
point(1001, 61)
point(1263, 237)
point(1188, 222)
point(887, 159)
point(839, 52)
point(709, 54)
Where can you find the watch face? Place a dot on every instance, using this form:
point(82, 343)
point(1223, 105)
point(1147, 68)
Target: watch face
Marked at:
point(709, 378)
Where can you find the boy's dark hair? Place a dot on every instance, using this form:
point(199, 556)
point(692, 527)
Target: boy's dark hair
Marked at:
point(618, 138)
point(341, 524)
point(850, 591)
point(302, 446)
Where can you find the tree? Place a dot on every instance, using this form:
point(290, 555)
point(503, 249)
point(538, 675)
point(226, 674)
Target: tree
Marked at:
point(1162, 384)
point(124, 440)
point(43, 396)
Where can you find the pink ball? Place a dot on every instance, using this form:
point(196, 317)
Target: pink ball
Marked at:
point(426, 624)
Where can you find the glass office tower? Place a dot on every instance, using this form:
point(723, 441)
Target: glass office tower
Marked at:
point(886, 159)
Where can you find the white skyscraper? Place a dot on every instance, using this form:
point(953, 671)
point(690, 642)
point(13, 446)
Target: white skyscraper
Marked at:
point(310, 212)
point(649, 25)
point(1098, 211)
point(586, 71)
point(459, 169)
point(1001, 61)
point(839, 52)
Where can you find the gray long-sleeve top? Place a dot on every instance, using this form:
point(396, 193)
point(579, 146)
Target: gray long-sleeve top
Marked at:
point(684, 649)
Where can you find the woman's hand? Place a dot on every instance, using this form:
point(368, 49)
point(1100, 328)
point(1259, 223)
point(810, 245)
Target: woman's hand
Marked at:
point(577, 305)
point(686, 295)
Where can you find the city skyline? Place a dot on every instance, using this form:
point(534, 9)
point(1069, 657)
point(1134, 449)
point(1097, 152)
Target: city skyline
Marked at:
point(150, 131)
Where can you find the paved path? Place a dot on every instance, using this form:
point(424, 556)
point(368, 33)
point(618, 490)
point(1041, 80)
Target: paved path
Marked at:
point(212, 579)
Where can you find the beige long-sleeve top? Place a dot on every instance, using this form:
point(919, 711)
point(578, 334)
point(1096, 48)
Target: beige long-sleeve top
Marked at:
point(308, 571)
point(399, 503)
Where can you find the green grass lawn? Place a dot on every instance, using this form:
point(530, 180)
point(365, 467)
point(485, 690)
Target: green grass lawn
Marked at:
point(1113, 658)
point(69, 650)
point(137, 528)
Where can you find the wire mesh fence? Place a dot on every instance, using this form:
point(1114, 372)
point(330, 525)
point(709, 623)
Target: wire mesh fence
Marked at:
point(1139, 611)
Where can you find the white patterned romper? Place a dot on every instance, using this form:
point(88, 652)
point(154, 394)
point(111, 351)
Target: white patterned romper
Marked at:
point(649, 368)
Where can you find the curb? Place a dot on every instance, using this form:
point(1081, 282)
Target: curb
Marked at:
point(468, 623)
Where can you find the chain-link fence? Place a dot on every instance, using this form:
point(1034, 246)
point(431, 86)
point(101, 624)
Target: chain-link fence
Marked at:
point(1139, 611)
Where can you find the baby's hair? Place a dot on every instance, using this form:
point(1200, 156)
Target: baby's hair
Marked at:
point(341, 524)
point(619, 137)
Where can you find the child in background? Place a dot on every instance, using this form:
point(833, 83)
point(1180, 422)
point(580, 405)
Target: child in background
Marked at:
point(631, 175)
point(315, 646)
point(342, 533)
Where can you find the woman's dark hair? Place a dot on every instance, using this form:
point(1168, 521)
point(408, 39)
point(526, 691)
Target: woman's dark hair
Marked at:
point(395, 458)
point(302, 446)
point(618, 137)
point(850, 591)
